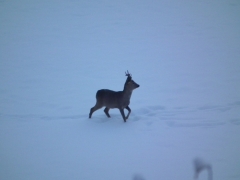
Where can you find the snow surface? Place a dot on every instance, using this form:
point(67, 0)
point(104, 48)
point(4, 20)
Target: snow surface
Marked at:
point(55, 55)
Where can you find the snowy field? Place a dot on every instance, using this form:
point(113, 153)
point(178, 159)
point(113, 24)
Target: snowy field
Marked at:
point(55, 55)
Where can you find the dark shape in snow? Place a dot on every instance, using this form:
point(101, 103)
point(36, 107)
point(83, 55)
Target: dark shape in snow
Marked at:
point(138, 177)
point(199, 166)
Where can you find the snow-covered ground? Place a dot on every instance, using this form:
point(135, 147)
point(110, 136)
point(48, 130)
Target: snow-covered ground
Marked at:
point(55, 55)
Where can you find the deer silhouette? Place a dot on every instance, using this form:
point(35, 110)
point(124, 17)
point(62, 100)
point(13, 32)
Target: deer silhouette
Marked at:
point(115, 99)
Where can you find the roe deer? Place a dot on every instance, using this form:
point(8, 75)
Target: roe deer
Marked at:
point(115, 99)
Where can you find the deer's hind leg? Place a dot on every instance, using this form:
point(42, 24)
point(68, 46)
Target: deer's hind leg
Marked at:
point(106, 112)
point(96, 107)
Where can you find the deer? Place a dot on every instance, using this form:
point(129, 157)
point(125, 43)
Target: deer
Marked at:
point(115, 99)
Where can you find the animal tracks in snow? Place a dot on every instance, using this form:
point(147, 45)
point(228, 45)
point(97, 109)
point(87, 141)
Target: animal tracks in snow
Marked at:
point(206, 116)
point(150, 111)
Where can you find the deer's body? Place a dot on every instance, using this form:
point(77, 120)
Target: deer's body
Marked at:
point(115, 99)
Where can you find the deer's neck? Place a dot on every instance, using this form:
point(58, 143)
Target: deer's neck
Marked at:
point(127, 94)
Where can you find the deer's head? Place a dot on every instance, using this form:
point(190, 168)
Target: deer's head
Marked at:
point(130, 84)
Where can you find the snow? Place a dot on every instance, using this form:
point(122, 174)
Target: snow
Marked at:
point(55, 55)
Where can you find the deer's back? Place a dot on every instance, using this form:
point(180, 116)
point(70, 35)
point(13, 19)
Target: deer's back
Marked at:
point(109, 98)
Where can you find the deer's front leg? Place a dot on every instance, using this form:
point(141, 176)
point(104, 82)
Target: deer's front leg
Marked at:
point(122, 113)
point(129, 111)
